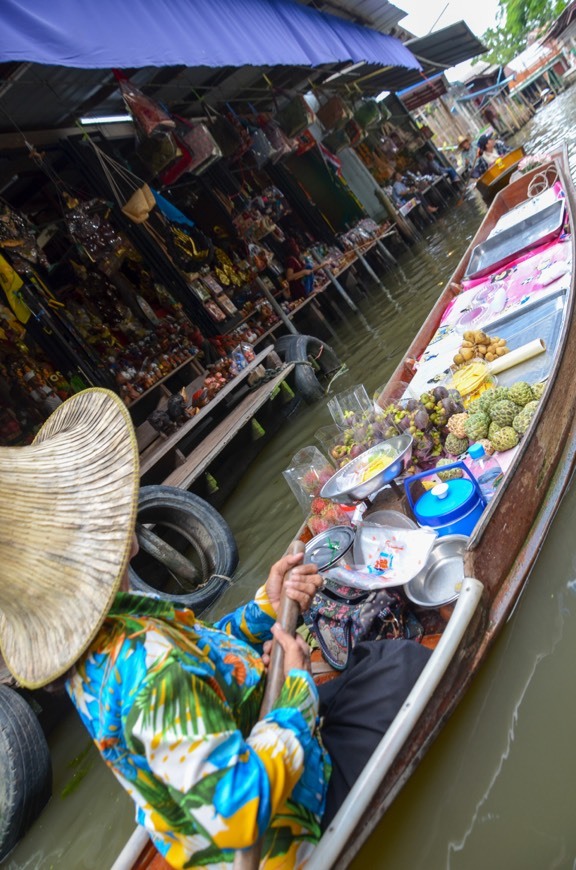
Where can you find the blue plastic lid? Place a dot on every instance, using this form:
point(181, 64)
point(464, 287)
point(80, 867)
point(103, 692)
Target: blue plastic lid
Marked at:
point(476, 451)
point(460, 497)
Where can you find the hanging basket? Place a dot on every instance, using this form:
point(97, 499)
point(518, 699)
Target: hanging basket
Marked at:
point(140, 204)
point(296, 116)
point(158, 151)
point(334, 114)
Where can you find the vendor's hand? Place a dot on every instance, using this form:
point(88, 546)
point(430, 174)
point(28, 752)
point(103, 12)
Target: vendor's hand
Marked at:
point(302, 585)
point(296, 650)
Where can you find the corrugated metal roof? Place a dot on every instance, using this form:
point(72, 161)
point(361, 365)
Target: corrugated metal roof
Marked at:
point(378, 14)
point(447, 47)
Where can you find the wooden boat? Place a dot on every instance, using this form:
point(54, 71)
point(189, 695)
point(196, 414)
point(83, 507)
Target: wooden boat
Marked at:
point(498, 176)
point(498, 559)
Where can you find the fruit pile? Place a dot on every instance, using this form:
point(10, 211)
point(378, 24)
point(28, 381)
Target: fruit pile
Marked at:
point(478, 345)
point(497, 419)
point(424, 418)
point(324, 514)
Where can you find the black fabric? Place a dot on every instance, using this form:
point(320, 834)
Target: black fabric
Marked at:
point(359, 706)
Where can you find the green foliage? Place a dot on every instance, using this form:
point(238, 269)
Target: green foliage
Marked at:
point(516, 20)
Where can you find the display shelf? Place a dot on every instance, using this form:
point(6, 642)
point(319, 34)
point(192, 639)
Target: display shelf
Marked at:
point(189, 361)
point(205, 453)
point(155, 451)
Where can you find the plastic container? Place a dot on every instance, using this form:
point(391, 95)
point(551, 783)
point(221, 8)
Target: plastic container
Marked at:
point(486, 469)
point(451, 508)
point(308, 472)
point(348, 404)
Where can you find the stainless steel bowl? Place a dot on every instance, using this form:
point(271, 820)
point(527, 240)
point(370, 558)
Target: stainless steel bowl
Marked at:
point(441, 578)
point(339, 489)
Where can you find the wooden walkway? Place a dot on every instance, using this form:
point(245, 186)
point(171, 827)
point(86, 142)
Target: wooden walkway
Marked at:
point(205, 453)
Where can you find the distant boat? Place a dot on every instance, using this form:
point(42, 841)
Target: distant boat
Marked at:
point(498, 176)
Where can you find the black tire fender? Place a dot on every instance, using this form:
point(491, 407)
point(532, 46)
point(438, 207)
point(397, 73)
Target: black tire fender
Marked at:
point(204, 528)
point(298, 349)
point(25, 769)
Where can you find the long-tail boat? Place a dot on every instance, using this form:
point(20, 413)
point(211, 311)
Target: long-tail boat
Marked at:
point(498, 560)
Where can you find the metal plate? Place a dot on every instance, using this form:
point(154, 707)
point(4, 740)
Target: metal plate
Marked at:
point(500, 249)
point(440, 580)
point(345, 489)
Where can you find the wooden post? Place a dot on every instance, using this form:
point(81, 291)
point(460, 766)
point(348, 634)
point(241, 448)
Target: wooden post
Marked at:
point(277, 308)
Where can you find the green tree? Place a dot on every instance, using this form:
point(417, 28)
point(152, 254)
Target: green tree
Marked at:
point(516, 20)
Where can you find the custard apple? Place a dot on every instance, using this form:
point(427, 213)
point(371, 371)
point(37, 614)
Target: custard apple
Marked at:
point(455, 425)
point(474, 406)
point(487, 398)
point(476, 426)
point(494, 427)
point(520, 393)
point(505, 439)
point(453, 474)
point(522, 420)
point(499, 394)
point(538, 389)
point(455, 445)
point(503, 412)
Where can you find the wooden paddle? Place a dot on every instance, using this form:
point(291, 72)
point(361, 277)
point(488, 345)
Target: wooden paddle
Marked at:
point(288, 612)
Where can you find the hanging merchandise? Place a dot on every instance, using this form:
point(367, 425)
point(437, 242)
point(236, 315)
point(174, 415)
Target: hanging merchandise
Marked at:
point(355, 133)
point(306, 142)
point(157, 152)
point(214, 311)
point(281, 143)
point(198, 150)
point(90, 228)
point(334, 113)
point(140, 204)
point(17, 238)
point(261, 148)
point(227, 134)
point(336, 141)
point(147, 113)
point(296, 116)
point(187, 246)
point(368, 114)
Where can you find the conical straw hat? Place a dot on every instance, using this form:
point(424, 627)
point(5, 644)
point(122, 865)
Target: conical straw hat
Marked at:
point(67, 513)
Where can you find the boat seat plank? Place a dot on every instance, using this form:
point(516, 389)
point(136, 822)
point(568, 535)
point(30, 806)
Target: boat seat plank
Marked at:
point(206, 452)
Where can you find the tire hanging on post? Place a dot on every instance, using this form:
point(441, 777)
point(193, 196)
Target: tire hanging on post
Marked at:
point(301, 349)
point(206, 532)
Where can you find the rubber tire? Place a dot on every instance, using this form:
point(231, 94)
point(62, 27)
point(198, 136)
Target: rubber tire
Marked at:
point(25, 769)
point(204, 528)
point(297, 348)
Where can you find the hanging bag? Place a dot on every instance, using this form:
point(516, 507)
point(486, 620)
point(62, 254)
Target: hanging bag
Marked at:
point(334, 113)
point(296, 116)
point(340, 617)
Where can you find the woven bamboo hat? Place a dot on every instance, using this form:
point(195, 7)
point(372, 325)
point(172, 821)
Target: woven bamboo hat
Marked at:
point(67, 511)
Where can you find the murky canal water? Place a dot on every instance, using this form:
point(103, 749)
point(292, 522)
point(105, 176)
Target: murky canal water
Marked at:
point(498, 789)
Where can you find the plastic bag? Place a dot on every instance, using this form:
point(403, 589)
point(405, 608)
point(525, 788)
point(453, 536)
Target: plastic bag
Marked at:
point(148, 114)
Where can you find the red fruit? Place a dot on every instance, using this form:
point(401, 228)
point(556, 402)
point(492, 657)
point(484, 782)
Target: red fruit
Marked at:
point(317, 525)
point(332, 515)
point(356, 451)
point(318, 505)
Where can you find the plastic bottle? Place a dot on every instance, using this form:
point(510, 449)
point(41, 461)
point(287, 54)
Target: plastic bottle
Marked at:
point(486, 470)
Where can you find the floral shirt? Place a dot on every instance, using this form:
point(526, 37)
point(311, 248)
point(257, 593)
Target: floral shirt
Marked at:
point(172, 704)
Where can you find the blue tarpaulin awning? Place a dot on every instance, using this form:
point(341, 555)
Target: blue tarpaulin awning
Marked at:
point(100, 34)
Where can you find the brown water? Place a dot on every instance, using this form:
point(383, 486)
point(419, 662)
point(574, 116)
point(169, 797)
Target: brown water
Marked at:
point(498, 789)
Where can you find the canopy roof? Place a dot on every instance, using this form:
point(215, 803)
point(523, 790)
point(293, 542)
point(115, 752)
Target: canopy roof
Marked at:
point(101, 34)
